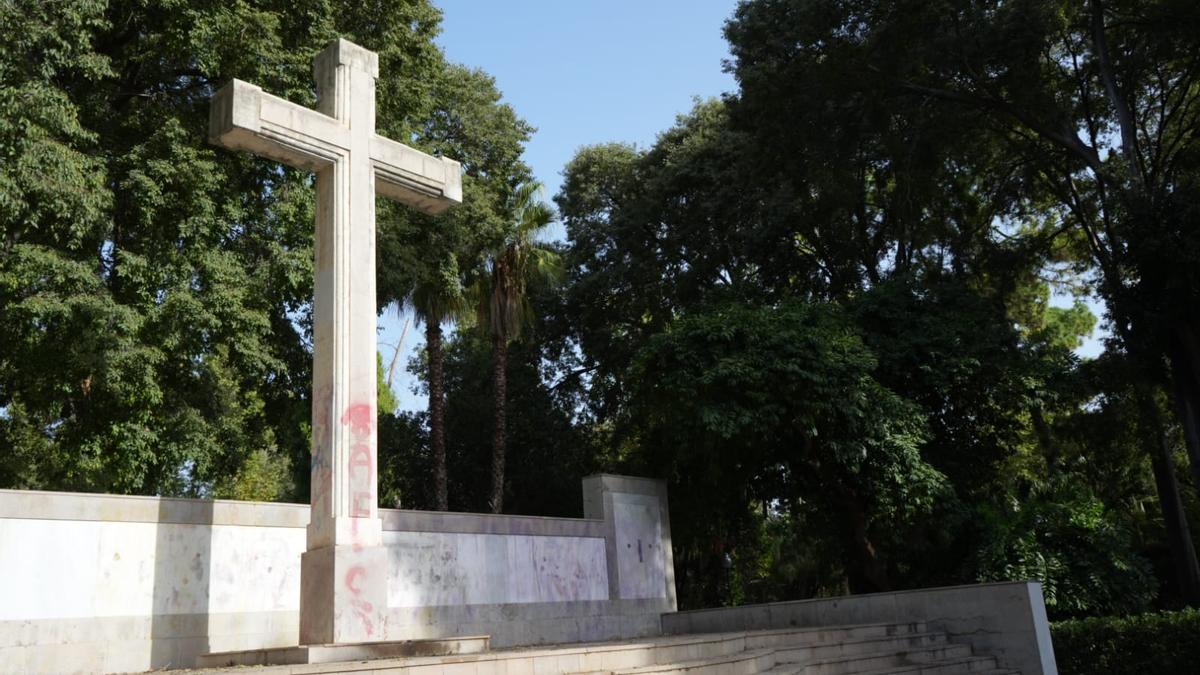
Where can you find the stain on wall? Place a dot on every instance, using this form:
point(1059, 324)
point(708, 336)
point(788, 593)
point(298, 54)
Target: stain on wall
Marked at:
point(439, 569)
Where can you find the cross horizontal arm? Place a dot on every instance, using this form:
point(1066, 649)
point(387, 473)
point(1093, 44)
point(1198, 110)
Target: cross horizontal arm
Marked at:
point(431, 184)
point(243, 117)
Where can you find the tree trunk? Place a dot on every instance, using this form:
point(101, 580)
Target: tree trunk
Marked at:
point(1183, 552)
point(500, 431)
point(1185, 375)
point(867, 572)
point(437, 413)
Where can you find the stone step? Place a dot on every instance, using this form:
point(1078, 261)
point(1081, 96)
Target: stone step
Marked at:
point(850, 648)
point(475, 644)
point(743, 663)
point(886, 660)
point(616, 656)
point(980, 665)
point(839, 649)
point(785, 669)
point(610, 657)
point(794, 637)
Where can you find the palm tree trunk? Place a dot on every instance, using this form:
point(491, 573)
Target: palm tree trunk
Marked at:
point(437, 413)
point(500, 432)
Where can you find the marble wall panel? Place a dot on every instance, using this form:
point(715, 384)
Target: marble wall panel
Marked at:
point(429, 569)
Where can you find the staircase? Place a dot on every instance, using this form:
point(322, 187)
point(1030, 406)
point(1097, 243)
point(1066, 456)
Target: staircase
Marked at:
point(909, 649)
point(874, 649)
point(879, 649)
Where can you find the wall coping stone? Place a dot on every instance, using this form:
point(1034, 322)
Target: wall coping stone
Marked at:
point(857, 596)
point(46, 505)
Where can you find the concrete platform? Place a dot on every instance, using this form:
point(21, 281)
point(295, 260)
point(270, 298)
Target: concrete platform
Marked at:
point(364, 651)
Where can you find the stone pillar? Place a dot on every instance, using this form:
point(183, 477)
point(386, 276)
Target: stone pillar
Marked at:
point(343, 575)
point(641, 564)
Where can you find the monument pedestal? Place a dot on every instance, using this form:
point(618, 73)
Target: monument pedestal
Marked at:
point(343, 595)
point(284, 656)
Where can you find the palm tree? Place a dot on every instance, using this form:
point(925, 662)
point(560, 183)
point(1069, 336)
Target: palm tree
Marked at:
point(518, 262)
point(436, 300)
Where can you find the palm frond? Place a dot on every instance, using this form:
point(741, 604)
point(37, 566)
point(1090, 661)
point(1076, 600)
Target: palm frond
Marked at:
point(500, 289)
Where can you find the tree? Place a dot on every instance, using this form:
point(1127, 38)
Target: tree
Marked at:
point(435, 302)
point(518, 262)
point(155, 290)
point(386, 398)
point(423, 257)
point(555, 451)
point(1082, 115)
point(925, 235)
point(775, 406)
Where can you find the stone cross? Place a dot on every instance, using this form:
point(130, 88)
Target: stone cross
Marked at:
point(343, 577)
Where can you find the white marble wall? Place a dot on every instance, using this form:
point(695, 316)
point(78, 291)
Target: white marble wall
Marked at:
point(433, 569)
point(58, 569)
point(641, 562)
point(99, 583)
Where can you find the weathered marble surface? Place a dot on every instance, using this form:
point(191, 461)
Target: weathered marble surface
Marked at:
point(101, 583)
point(55, 569)
point(343, 586)
point(429, 569)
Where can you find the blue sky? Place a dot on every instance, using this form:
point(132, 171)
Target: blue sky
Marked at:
point(582, 72)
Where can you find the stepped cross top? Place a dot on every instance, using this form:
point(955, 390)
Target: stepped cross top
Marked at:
point(343, 578)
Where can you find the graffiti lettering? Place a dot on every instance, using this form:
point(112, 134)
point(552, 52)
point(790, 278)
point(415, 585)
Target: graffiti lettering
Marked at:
point(360, 418)
point(361, 607)
point(360, 506)
point(360, 457)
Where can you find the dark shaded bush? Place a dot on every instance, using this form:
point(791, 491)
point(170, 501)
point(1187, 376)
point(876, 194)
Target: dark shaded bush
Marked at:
point(1162, 643)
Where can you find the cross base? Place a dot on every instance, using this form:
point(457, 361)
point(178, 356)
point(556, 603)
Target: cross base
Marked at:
point(343, 595)
point(281, 656)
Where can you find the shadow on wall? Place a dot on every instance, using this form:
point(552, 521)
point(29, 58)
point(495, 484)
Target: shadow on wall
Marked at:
point(179, 621)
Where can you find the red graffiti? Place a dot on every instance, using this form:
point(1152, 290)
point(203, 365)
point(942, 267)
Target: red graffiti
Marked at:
point(360, 507)
point(360, 456)
point(361, 419)
point(351, 575)
point(361, 477)
point(361, 607)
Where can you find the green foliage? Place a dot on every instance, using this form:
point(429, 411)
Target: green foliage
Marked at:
point(261, 477)
point(386, 403)
point(515, 266)
point(550, 453)
point(1067, 538)
point(1162, 643)
point(155, 290)
point(961, 336)
point(776, 405)
point(405, 467)
point(820, 307)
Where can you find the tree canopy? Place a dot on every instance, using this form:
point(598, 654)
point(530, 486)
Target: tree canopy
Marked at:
point(154, 290)
point(837, 309)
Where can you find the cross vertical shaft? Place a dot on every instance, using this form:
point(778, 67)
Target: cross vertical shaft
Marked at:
point(343, 573)
point(344, 503)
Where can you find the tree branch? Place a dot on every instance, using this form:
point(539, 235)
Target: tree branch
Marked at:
point(1130, 147)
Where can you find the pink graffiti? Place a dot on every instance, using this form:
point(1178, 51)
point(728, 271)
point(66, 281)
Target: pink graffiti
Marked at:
point(360, 418)
point(351, 575)
point(361, 607)
point(360, 457)
point(360, 507)
point(361, 476)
